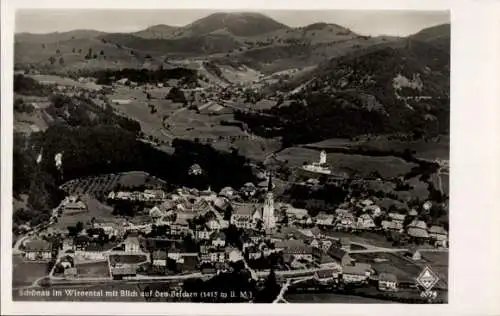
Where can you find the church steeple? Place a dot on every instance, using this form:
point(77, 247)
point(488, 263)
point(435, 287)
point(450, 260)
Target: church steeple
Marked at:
point(268, 209)
point(270, 182)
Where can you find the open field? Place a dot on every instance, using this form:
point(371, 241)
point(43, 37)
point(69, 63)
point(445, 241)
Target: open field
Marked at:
point(52, 79)
point(103, 184)
point(428, 150)
point(101, 212)
point(370, 238)
point(133, 103)
point(130, 259)
point(405, 269)
point(25, 272)
point(332, 298)
point(92, 185)
point(362, 166)
point(93, 270)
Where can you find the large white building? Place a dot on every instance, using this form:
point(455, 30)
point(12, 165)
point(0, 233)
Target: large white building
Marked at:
point(318, 167)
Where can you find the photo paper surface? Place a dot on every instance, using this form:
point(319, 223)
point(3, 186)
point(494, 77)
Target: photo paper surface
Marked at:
point(231, 156)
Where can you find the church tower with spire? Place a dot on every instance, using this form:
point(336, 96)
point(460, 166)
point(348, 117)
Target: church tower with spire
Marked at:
point(268, 218)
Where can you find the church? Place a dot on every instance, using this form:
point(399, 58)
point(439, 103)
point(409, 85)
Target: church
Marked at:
point(249, 215)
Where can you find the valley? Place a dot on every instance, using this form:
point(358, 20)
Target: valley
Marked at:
point(217, 149)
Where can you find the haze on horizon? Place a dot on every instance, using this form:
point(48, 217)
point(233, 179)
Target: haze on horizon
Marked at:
point(365, 22)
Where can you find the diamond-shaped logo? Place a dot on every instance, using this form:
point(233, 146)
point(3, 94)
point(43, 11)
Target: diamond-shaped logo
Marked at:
point(427, 278)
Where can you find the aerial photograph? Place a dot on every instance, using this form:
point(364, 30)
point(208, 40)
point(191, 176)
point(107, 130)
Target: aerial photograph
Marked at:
point(216, 156)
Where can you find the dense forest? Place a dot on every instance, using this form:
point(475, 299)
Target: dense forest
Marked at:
point(143, 76)
point(29, 86)
point(356, 95)
point(101, 149)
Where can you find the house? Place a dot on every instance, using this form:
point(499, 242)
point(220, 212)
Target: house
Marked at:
point(373, 210)
point(326, 261)
point(325, 245)
point(159, 258)
point(253, 253)
point(346, 222)
point(295, 213)
point(38, 250)
point(132, 244)
point(219, 240)
point(357, 273)
point(93, 252)
point(323, 219)
point(124, 271)
point(202, 233)
point(221, 204)
point(195, 170)
point(73, 205)
point(340, 213)
point(215, 224)
point(243, 215)
point(296, 248)
point(287, 233)
point(396, 217)
point(416, 256)
point(248, 190)
point(305, 220)
point(255, 236)
point(217, 256)
point(366, 203)
point(418, 230)
point(181, 222)
point(392, 225)
point(122, 81)
point(387, 282)
point(413, 212)
point(108, 229)
point(247, 242)
point(178, 253)
point(227, 192)
point(80, 242)
point(155, 195)
point(340, 256)
point(439, 235)
point(326, 276)
point(365, 221)
point(67, 244)
point(315, 243)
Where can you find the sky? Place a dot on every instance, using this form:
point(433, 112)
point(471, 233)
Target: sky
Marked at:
point(394, 23)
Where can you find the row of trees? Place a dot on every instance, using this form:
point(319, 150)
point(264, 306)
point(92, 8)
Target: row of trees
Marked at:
point(143, 76)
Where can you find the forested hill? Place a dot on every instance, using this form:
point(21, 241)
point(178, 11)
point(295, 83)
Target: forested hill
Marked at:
point(94, 140)
point(401, 89)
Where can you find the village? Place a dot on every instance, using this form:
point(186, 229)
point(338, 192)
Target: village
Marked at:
point(190, 233)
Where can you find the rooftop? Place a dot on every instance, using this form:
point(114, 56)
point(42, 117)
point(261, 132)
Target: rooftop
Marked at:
point(294, 247)
point(385, 276)
point(357, 269)
point(438, 230)
point(417, 232)
point(245, 208)
point(38, 245)
point(337, 253)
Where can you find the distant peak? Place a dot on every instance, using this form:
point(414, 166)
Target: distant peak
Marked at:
point(160, 26)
